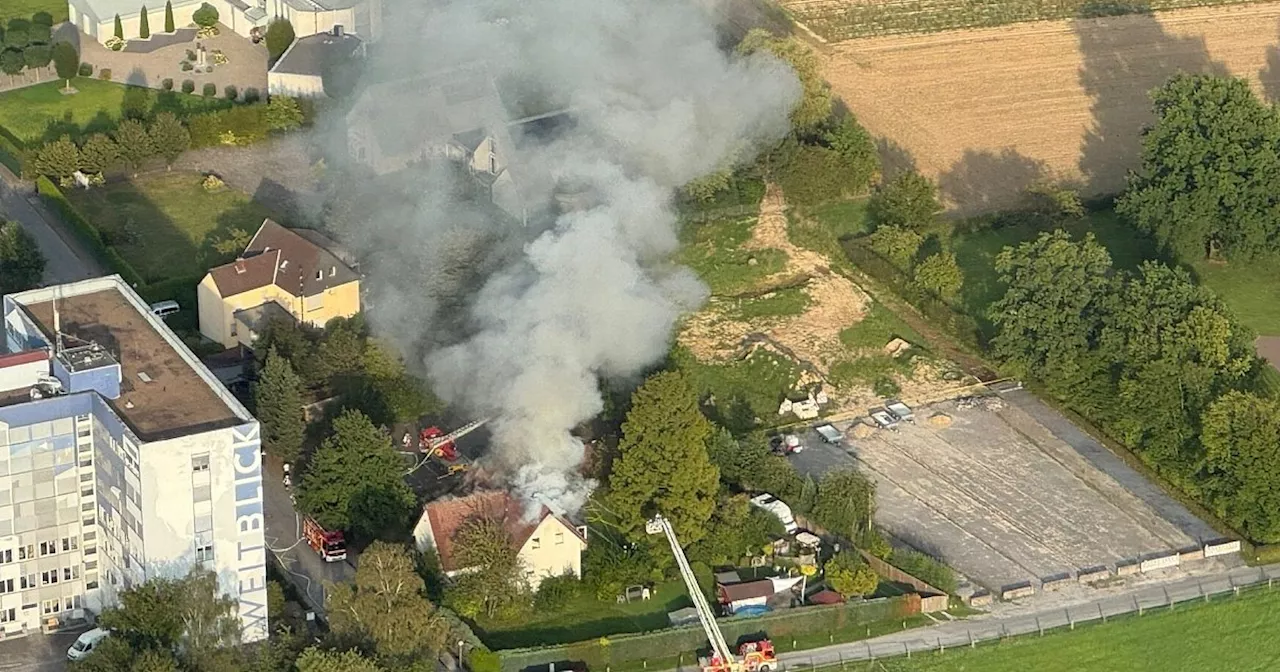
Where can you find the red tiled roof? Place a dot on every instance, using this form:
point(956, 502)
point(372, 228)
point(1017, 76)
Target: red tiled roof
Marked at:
point(300, 265)
point(243, 275)
point(448, 515)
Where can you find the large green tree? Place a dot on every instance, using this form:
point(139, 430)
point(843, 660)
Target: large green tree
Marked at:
point(909, 200)
point(21, 262)
point(187, 616)
point(134, 143)
point(1050, 317)
point(1210, 175)
point(168, 136)
point(355, 480)
point(278, 403)
point(735, 530)
point(1242, 463)
point(386, 607)
point(319, 660)
point(496, 585)
point(845, 502)
point(66, 60)
point(58, 159)
point(99, 153)
point(940, 273)
point(662, 465)
point(814, 105)
point(279, 36)
point(848, 574)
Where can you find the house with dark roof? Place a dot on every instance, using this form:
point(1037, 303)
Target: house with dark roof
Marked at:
point(547, 543)
point(457, 115)
point(301, 70)
point(295, 274)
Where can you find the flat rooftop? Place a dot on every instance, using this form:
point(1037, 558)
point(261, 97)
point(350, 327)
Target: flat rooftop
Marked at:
point(311, 55)
point(176, 400)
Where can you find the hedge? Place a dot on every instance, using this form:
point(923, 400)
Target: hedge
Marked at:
point(86, 232)
point(961, 325)
point(600, 653)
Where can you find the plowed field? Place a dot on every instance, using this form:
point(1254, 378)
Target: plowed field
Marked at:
point(987, 112)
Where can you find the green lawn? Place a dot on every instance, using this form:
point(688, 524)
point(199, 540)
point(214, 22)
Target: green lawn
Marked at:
point(779, 303)
point(38, 113)
point(164, 224)
point(588, 618)
point(1250, 290)
point(24, 9)
point(744, 389)
point(712, 250)
point(1236, 634)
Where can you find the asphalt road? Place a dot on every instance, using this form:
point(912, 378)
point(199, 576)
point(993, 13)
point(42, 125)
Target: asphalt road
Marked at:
point(304, 568)
point(37, 653)
point(67, 260)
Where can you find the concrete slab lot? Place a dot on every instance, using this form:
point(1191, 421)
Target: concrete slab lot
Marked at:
point(1014, 495)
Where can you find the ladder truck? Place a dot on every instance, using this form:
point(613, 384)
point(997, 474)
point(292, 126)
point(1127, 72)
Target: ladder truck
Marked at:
point(434, 441)
point(752, 656)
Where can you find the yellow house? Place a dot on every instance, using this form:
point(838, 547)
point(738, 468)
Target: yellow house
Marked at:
point(283, 273)
point(547, 543)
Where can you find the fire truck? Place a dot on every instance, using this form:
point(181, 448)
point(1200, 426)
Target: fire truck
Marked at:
point(434, 441)
point(330, 546)
point(757, 656)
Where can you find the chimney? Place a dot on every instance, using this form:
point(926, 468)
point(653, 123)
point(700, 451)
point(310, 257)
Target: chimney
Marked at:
point(337, 30)
point(239, 266)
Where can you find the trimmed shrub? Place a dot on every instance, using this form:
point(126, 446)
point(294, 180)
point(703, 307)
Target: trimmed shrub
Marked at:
point(167, 84)
point(187, 66)
point(210, 89)
point(231, 92)
point(105, 74)
point(188, 86)
point(86, 69)
point(251, 95)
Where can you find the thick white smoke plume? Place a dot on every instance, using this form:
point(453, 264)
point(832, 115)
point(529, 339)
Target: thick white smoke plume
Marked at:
point(521, 322)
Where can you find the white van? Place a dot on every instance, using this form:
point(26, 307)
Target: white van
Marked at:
point(778, 508)
point(86, 643)
point(165, 308)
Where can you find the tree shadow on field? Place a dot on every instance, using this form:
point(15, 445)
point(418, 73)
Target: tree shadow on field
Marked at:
point(983, 181)
point(1124, 58)
point(1270, 75)
point(894, 159)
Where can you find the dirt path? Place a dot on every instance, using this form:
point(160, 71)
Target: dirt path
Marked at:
point(988, 112)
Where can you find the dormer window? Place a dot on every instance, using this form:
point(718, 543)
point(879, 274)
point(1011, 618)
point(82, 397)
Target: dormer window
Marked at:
point(284, 264)
point(493, 163)
point(333, 270)
point(320, 275)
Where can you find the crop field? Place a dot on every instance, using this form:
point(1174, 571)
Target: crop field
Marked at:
point(988, 112)
point(835, 20)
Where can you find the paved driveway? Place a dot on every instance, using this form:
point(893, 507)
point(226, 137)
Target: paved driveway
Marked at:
point(67, 260)
point(36, 653)
point(246, 62)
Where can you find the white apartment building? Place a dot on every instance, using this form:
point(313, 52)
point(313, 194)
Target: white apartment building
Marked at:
point(122, 458)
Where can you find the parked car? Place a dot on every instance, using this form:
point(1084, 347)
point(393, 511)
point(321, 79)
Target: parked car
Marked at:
point(900, 410)
point(829, 434)
point(86, 643)
point(165, 308)
point(785, 444)
point(884, 418)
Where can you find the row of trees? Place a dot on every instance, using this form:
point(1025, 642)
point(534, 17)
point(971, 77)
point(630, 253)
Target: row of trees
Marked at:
point(1152, 356)
point(21, 262)
point(142, 136)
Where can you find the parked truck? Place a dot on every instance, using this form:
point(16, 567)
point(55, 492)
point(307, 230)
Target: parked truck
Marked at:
point(331, 546)
point(829, 434)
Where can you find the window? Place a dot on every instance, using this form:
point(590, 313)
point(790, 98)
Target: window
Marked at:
point(333, 270)
point(48, 548)
point(66, 604)
point(50, 606)
point(201, 493)
point(6, 586)
point(204, 551)
point(92, 585)
point(91, 565)
point(200, 462)
point(26, 552)
point(559, 538)
point(6, 556)
point(7, 615)
point(320, 274)
point(71, 573)
point(537, 543)
point(48, 577)
point(70, 543)
point(28, 581)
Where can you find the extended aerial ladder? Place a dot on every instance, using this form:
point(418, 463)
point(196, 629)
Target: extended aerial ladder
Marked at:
point(433, 441)
point(755, 656)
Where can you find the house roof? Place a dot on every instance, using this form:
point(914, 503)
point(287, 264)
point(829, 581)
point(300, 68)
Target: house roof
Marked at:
point(747, 590)
point(300, 265)
point(106, 10)
point(311, 55)
point(448, 515)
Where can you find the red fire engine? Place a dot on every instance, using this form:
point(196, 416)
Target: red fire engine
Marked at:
point(330, 546)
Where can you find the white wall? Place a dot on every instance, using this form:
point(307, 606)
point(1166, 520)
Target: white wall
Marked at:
point(295, 85)
point(552, 550)
point(168, 486)
point(22, 375)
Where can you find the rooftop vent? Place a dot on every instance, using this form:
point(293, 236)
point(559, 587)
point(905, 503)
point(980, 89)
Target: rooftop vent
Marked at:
point(239, 266)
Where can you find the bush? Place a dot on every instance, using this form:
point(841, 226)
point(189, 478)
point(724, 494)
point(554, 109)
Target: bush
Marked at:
point(556, 592)
point(231, 92)
point(86, 69)
point(483, 660)
point(206, 16)
point(925, 568)
point(279, 36)
point(811, 175)
point(105, 74)
point(187, 66)
point(85, 231)
point(188, 86)
point(166, 84)
point(210, 90)
point(191, 55)
point(251, 95)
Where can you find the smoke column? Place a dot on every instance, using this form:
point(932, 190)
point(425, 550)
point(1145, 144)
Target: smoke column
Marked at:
point(521, 322)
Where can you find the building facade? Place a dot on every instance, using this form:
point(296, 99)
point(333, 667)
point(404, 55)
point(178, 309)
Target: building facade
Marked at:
point(96, 18)
point(122, 459)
